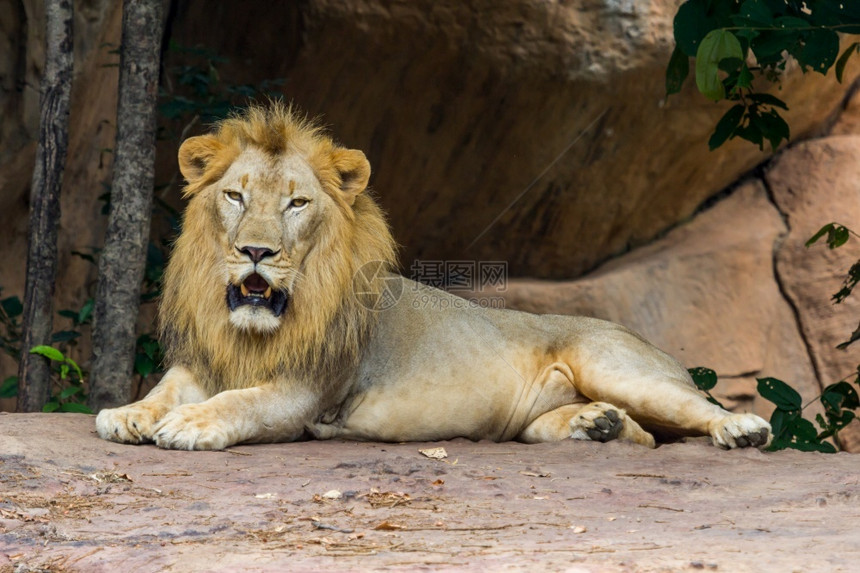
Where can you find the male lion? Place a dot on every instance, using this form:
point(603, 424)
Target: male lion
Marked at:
point(272, 333)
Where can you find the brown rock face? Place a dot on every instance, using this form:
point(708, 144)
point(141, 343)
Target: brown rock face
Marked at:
point(533, 132)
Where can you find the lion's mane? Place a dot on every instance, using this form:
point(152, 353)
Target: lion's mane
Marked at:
point(325, 327)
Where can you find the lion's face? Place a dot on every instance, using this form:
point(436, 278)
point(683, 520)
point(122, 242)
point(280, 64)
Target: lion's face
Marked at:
point(268, 210)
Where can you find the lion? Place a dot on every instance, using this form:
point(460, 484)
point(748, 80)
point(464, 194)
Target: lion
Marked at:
point(282, 319)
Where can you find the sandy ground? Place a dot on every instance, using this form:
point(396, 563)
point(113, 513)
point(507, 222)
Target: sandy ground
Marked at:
point(72, 502)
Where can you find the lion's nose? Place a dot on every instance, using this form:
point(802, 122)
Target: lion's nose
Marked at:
point(257, 254)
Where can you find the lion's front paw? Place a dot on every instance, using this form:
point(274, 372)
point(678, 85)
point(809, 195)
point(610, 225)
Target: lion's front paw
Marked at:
point(741, 431)
point(192, 427)
point(598, 421)
point(132, 424)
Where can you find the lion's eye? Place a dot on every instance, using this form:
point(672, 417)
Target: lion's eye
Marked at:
point(234, 197)
point(298, 203)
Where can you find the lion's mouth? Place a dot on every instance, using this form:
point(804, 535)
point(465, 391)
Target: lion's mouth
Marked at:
point(255, 291)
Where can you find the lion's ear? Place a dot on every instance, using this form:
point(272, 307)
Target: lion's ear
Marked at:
point(354, 170)
point(195, 155)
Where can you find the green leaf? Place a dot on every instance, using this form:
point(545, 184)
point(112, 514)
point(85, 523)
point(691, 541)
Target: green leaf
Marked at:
point(790, 22)
point(716, 46)
point(730, 65)
point(85, 256)
point(65, 336)
point(86, 311)
point(51, 406)
point(822, 447)
point(821, 232)
point(820, 49)
point(855, 336)
point(780, 420)
point(834, 423)
point(774, 128)
point(784, 396)
point(779, 444)
point(75, 407)
point(151, 348)
point(9, 388)
point(803, 429)
point(691, 24)
point(70, 391)
point(770, 44)
point(726, 126)
point(838, 237)
point(143, 365)
point(745, 78)
point(677, 71)
point(767, 99)
point(64, 371)
point(48, 352)
point(843, 60)
point(755, 13)
point(704, 378)
point(751, 133)
point(848, 397)
point(12, 306)
point(77, 368)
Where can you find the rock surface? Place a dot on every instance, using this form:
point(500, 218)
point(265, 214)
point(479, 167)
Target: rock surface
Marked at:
point(72, 502)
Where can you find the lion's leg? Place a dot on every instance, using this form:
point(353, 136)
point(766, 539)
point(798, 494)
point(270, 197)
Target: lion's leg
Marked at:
point(135, 423)
point(672, 404)
point(266, 413)
point(596, 421)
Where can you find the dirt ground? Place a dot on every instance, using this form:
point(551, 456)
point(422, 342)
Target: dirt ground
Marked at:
point(72, 502)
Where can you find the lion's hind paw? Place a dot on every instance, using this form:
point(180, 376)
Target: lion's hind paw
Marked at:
point(741, 431)
point(598, 422)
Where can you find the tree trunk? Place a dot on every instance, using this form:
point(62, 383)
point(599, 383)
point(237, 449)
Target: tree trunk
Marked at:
point(123, 259)
point(34, 373)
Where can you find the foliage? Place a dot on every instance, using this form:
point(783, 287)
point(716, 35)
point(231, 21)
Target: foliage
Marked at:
point(195, 91)
point(11, 310)
point(70, 396)
point(840, 401)
point(705, 380)
point(734, 41)
point(837, 235)
point(10, 339)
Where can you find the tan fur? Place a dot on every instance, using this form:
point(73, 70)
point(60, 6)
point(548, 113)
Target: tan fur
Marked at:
point(194, 322)
point(274, 199)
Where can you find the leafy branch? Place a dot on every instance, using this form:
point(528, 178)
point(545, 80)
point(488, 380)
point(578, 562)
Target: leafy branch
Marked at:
point(735, 41)
point(840, 401)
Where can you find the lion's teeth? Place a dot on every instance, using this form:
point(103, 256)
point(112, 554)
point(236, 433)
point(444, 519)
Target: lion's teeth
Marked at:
point(244, 289)
point(268, 292)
